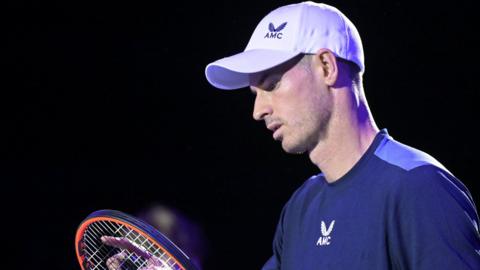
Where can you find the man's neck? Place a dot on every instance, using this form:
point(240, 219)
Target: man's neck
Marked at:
point(347, 141)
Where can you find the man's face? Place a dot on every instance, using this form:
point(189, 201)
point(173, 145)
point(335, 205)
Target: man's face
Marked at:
point(295, 104)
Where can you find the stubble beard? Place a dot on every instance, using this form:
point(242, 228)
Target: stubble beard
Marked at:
point(306, 136)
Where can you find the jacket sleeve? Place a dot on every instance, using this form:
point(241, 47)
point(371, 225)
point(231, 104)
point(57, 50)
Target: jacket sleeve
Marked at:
point(433, 223)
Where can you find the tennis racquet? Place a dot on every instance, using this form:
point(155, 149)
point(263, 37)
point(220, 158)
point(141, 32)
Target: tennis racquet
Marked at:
point(138, 244)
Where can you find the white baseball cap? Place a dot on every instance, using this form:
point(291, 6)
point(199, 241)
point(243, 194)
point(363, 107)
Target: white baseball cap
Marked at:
point(282, 35)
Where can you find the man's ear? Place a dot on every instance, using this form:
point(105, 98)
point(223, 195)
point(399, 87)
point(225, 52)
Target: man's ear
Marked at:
point(325, 63)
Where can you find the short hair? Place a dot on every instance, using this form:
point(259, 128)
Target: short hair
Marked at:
point(354, 71)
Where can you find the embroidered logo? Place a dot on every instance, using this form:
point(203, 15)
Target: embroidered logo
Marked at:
point(324, 240)
point(275, 32)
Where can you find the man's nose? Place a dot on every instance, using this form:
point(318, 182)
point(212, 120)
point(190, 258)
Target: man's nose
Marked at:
point(262, 107)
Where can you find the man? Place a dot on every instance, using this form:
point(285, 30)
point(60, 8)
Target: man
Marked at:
point(378, 204)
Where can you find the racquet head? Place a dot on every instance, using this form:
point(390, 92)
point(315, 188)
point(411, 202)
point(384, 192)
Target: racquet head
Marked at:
point(93, 253)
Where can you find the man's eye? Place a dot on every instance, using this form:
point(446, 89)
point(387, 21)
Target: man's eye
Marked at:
point(273, 85)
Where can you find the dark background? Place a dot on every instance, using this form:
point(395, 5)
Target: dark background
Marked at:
point(105, 105)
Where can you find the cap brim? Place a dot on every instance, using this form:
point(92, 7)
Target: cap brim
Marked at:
point(233, 72)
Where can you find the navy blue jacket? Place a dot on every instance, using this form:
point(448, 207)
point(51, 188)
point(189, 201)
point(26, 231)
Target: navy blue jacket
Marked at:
point(397, 208)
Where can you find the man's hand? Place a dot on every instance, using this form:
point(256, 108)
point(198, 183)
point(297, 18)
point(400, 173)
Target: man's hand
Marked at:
point(115, 262)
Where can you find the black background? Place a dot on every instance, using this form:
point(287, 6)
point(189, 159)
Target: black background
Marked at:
point(105, 105)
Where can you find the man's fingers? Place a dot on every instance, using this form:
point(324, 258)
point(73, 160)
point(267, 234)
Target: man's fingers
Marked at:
point(117, 242)
point(124, 243)
point(115, 262)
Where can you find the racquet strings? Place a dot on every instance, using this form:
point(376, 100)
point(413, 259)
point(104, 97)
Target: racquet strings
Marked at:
point(97, 253)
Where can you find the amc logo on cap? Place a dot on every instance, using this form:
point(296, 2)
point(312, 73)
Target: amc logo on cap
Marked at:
point(275, 32)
